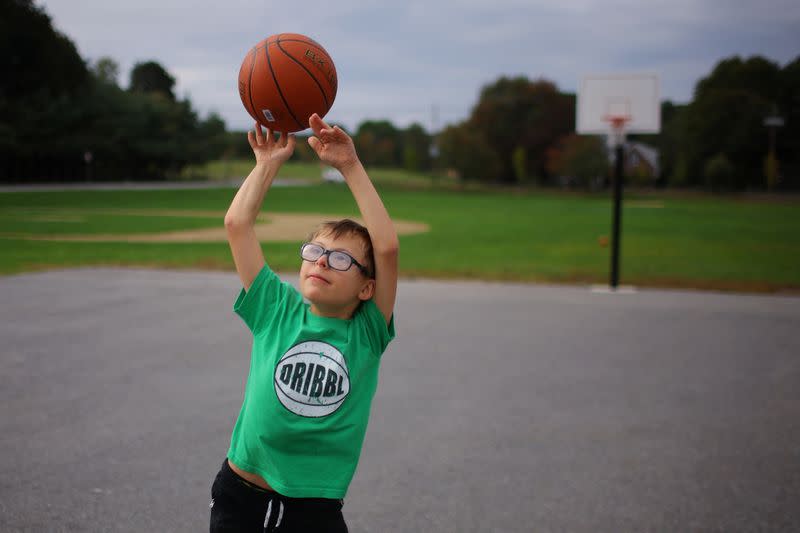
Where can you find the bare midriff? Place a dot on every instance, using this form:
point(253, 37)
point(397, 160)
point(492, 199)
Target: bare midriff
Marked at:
point(255, 479)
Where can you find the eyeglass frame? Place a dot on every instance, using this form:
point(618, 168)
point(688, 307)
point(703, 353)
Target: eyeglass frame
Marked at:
point(327, 253)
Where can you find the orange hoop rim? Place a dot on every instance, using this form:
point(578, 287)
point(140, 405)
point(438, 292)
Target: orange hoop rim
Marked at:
point(617, 121)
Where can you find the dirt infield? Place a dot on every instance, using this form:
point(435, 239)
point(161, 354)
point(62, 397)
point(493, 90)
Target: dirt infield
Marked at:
point(276, 227)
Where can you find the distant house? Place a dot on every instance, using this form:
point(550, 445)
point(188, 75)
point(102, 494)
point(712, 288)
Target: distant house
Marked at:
point(641, 161)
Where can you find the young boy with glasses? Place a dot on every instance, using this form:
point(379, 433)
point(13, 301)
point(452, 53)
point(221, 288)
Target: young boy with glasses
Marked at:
point(314, 366)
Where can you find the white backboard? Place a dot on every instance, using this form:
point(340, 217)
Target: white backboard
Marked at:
point(634, 95)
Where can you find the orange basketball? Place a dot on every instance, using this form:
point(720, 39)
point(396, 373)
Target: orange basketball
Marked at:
point(286, 78)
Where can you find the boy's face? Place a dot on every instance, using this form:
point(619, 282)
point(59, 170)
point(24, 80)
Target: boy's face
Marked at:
point(325, 286)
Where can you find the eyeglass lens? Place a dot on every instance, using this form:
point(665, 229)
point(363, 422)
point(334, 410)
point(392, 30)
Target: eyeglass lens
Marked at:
point(336, 260)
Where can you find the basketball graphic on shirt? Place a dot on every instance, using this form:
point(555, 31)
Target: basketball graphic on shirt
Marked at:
point(311, 379)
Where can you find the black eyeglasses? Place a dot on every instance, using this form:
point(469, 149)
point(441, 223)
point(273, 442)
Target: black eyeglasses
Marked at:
point(337, 259)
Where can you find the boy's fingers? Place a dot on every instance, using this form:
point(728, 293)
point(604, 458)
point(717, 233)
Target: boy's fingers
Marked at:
point(317, 124)
point(339, 132)
point(259, 133)
point(314, 143)
point(314, 122)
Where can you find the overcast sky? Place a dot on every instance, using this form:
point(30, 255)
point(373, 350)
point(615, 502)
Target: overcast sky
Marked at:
point(414, 61)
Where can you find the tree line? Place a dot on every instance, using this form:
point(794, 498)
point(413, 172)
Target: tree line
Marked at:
point(63, 118)
point(522, 131)
point(721, 140)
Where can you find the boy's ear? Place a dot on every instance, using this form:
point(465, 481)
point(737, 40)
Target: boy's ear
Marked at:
point(367, 290)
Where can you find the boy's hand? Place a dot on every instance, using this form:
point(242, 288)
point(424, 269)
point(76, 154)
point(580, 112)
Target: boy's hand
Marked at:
point(333, 146)
point(268, 149)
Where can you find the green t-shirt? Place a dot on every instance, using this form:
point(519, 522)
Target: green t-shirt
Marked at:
point(309, 390)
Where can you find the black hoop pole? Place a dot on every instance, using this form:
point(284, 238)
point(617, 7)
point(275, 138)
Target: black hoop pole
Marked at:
point(617, 218)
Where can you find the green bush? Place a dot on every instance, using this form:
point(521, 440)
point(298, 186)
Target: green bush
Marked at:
point(718, 172)
point(679, 177)
point(520, 164)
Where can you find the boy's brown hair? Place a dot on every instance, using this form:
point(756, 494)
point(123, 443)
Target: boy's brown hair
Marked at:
point(346, 227)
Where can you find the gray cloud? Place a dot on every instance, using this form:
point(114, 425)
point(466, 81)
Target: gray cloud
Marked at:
point(399, 60)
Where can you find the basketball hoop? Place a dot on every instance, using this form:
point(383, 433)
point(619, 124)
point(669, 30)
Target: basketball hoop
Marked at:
point(616, 124)
point(613, 105)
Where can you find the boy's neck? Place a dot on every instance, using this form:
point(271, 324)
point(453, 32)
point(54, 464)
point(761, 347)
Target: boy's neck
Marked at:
point(343, 313)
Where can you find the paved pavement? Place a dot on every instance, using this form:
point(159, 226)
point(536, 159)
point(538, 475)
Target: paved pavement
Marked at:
point(501, 407)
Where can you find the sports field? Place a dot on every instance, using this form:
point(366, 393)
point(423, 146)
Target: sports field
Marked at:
point(727, 243)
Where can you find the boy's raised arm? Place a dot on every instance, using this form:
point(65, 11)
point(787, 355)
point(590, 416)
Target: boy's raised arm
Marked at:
point(241, 217)
point(336, 148)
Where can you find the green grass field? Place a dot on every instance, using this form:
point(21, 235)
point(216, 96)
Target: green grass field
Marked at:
point(223, 170)
point(668, 241)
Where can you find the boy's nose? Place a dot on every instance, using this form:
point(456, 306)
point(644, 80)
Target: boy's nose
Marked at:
point(323, 261)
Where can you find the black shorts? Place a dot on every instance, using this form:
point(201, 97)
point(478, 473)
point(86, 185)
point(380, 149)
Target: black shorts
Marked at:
point(239, 506)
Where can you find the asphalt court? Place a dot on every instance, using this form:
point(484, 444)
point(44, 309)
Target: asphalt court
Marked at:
point(501, 407)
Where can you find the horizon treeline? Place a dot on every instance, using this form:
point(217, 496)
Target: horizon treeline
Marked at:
point(65, 119)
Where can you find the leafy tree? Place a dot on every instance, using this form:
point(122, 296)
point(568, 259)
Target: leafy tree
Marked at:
point(44, 62)
point(755, 75)
point(788, 137)
point(44, 75)
point(212, 131)
point(379, 143)
point(464, 149)
point(60, 120)
point(151, 77)
point(717, 172)
point(579, 159)
point(520, 164)
point(671, 144)
point(516, 112)
point(106, 70)
point(679, 173)
point(726, 118)
point(729, 122)
point(416, 148)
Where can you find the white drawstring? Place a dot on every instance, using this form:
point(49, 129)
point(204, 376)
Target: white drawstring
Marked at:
point(280, 515)
point(269, 512)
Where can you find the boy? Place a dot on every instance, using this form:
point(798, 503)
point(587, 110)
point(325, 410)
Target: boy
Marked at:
point(314, 367)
